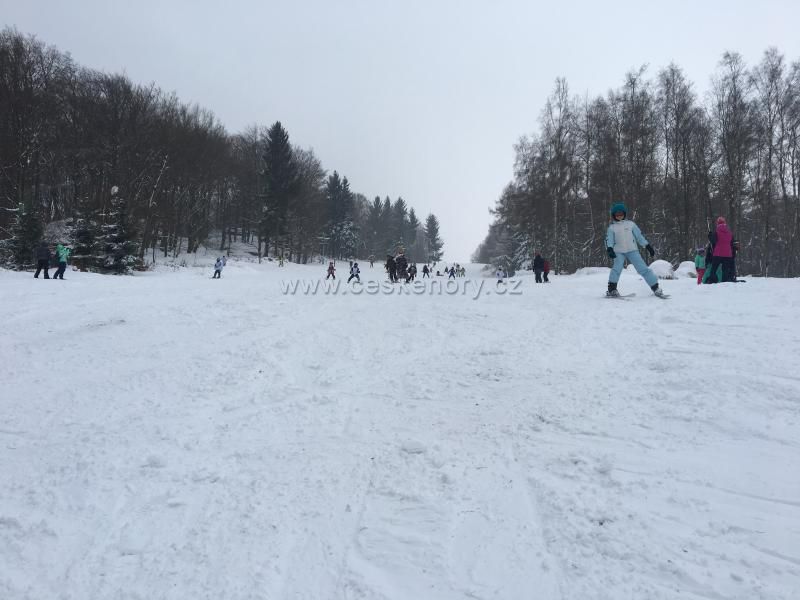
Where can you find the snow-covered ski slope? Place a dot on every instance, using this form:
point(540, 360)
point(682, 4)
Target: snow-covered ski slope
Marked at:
point(172, 436)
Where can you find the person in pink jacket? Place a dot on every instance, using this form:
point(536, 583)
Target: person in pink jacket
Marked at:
point(722, 241)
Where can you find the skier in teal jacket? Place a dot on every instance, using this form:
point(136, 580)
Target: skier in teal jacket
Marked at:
point(62, 256)
point(621, 244)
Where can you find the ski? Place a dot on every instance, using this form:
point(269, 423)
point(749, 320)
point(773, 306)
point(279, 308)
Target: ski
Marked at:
point(620, 297)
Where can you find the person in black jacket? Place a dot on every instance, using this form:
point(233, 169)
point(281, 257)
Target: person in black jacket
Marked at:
point(538, 267)
point(402, 265)
point(412, 272)
point(391, 268)
point(42, 260)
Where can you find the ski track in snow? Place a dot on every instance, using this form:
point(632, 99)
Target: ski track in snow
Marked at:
point(169, 436)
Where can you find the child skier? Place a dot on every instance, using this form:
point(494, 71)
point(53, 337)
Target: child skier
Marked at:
point(218, 268)
point(331, 271)
point(62, 255)
point(354, 271)
point(621, 243)
point(700, 264)
point(546, 271)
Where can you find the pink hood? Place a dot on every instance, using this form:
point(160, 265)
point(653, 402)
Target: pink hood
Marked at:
point(723, 246)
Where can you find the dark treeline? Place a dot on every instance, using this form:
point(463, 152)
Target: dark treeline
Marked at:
point(676, 161)
point(134, 173)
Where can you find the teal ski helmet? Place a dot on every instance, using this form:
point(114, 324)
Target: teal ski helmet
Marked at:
point(618, 207)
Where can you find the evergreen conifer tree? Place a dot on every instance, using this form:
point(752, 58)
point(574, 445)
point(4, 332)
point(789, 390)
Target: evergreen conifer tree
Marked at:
point(120, 249)
point(281, 180)
point(87, 244)
point(26, 233)
point(434, 241)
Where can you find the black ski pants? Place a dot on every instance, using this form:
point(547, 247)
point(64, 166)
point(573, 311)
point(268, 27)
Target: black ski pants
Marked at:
point(43, 265)
point(59, 274)
point(727, 267)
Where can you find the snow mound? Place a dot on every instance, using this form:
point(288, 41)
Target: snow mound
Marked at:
point(663, 269)
point(686, 269)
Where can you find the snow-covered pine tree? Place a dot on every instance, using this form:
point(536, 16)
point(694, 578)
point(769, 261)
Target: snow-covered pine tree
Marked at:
point(281, 182)
point(349, 237)
point(87, 239)
point(523, 251)
point(26, 233)
point(434, 241)
point(120, 249)
point(399, 224)
point(509, 250)
point(341, 229)
point(412, 244)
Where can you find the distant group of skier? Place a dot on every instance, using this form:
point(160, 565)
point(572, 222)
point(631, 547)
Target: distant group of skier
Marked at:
point(453, 272)
point(541, 268)
point(43, 257)
point(355, 271)
point(717, 261)
point(397, 267)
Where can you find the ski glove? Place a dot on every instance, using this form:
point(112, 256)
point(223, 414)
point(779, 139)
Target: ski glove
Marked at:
point(611, 254)
point(649, 248)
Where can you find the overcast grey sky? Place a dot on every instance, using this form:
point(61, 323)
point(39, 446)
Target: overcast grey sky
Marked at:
point(420, 99)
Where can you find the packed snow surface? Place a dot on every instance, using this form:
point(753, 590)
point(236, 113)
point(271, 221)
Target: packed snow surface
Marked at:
point(171, 436)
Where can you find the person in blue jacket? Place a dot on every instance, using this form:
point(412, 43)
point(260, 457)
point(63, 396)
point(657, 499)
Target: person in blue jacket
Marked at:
point(622, 242)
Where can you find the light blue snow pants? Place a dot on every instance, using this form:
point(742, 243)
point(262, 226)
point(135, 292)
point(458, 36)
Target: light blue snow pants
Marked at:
point(638, 263)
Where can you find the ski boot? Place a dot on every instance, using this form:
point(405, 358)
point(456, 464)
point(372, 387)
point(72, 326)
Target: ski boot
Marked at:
point(658, 291)
point(612, 290)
